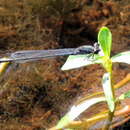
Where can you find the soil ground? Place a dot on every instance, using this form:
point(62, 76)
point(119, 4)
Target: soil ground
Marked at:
point(35, 95)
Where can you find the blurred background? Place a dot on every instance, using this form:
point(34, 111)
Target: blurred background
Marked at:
point(35, 95)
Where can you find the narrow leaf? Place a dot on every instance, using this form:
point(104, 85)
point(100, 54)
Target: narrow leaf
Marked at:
point(76, 110)
point(108, 91)
point(80, 61)
point(125, 95)
point(122, 57)
point(105, 40)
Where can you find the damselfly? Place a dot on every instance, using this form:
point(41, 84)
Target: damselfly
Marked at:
point(33, 55)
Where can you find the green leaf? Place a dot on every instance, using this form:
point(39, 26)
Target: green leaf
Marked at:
point(122, 57)
point(125, 95)
point(108, 91)
point(76, 110)
point(63, 122)
point(76, 61)
point(105, 40)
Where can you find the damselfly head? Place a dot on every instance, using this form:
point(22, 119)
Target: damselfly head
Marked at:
point(87, 49)
point(96, 48)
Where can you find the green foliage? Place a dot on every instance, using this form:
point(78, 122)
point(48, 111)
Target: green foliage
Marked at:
point(105, 42)
point(76, 110)
point(125, 95)
point(64, 121)
point(80, 61)
point(106, 82)
point(123, 57)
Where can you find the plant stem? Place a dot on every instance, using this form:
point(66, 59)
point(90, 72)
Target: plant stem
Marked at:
point(110, 117)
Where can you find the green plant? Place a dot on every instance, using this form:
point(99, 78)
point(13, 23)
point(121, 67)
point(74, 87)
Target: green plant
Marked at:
point(105, 42)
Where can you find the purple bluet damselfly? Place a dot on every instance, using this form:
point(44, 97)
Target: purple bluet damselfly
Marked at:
point(33, 55)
